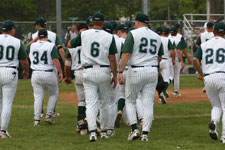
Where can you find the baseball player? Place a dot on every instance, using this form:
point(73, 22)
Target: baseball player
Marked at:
point(74, 56)
point(97, 57)
point(89, 22)
point(142, 48)
point(164, 64)
point(179, 64)
point(44, 58)
point(207, 35)
point(211, 55)
point(41, 23)
point(12, 52)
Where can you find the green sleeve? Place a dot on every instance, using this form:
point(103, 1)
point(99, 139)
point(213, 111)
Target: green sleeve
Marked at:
point(199, 41)
point(67, 54)
point(198, 53)
point(179, 46)
point(170, 45)
point(76, 41)
point(22, 52)
point(184, 45)
point(28, 49)
point(161, 52)
point(113, 49)
point(128, 44)
point(57, 41)
point(54, 53)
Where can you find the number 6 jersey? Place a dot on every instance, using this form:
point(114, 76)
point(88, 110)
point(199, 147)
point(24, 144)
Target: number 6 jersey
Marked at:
point(41, 54)
point(212, 54)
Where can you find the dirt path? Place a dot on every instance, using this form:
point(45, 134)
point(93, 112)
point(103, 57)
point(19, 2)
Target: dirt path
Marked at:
point(187, 95)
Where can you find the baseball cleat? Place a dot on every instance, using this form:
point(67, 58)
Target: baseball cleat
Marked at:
point(133, 135)
point(176, 94)
point(110, 132)
point(118, 118)
point(144, 137)
point(93, 137)
point(83, 131)
point(49, 119)
point(163, 98)
point(4, 134)
point(104, 135)
point(213, 131)
point(36, 122)
point(166, 94)
point(55, 114)
point(222, 139)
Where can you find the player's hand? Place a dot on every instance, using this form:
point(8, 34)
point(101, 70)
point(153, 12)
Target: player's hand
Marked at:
point(25, 74)
point(60, 77)
point(114, 81)
point(173, 61)
point(121, 81)
point(68, 80)
point(200, 77)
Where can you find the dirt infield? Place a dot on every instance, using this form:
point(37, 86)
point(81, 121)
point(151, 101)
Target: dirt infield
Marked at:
point(187, 95)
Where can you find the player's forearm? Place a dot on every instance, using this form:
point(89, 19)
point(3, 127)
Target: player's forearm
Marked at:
point(159, 59)
point(113, 65)
point(186, 55)
point(57, 65)
point(179, 54)
point(173, 55)
point(62, 54)
point(34, 40)
point(25, 65)
point(197, 66)
point(124, 59)
point(69, 45)
point(67, 68)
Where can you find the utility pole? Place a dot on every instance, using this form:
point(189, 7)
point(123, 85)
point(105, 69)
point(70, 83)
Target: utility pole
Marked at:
point(58, 17)
point(208, 9)
point(145, 6)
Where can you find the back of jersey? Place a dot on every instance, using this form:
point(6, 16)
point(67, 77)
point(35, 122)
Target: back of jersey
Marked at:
point(9, 50)
point(95, 47)
point(165, 42)
point(206, 36)
point(213, 55)
point(40, 55)
point(76, 58)
point(51, 36)
point(146, 47)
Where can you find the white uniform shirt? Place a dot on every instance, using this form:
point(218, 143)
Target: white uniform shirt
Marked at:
point(118, 46)
point(95, 47)
point(51, 36)
point(9, 50)
point(40, 55)
point(146, 47)
point(213, 58)
point(205, 36)
point(76, 58)
point(165, 42)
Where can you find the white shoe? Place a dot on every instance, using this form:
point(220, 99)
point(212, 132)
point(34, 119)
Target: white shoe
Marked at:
point(55, 114)
point(162, 98)
point(4, 134)
point(110, 132)
point(49, 119)
point(176, 94)
point(222, 139)
point(133, 135)
point(104, 135)
point(36, 122)
point(93, 137)
point(213, 131)
point(144, 137)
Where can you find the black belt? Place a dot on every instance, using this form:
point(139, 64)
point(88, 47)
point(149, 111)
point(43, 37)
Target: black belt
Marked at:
point(91, 66)
point(213, 73)
point(164, 58)
point(143, 66)
point(14, 67)
point(44, 70)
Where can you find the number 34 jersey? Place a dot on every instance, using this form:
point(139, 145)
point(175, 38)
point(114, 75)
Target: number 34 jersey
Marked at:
point(96, 45)
point(11, 51)
point(212, 54)
point(41, 54)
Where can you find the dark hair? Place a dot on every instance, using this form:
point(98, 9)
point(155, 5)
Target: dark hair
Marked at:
point(98, 23)
point(81, 26)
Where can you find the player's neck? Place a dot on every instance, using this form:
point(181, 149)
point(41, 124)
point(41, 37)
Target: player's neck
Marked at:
point(97, 27)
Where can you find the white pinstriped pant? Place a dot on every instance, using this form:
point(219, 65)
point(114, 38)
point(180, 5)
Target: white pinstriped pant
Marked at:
point(143, 80)
point(215, 89)
point(79, 87)
point(177, 68)
point(165, 69)
point(42, 81)
point(8, 86)
point(171, 76)
point(97, 86)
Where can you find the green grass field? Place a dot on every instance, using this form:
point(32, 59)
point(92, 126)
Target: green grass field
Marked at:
point(182, 126)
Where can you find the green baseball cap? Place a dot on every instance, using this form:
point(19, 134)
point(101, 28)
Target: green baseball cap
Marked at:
point(89, 21)
point(107, 27)
point(42, 33)
point(159, 30)
point(98, 16)
point(210, 24)
point(114, 24)
point(121, 27)
point(166, 30)
point(129, 24)
point(41, 21)
point(173, 29)
point(219, 27)
point(142, 18)
point(8, 25)
point(177, 25)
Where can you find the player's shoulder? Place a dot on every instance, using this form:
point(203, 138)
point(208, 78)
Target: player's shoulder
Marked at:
point(51, 32)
